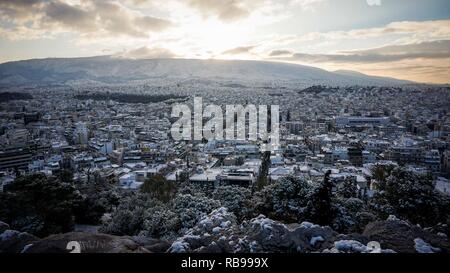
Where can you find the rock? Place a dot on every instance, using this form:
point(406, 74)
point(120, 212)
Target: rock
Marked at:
point(353, 246)
point(152, 244)
point(423, 247)
point(87, 242)
point(273, 236)
point(13, 241)
point(3, 227)
point(353, 236)
point(219, 232)
point(399, 236)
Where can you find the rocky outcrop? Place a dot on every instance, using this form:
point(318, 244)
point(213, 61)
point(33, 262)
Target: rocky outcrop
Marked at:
point(401, 236)
point(85, 243)
point(219, 232)
point(13, 241)
point(3, 227)
point(152, 244)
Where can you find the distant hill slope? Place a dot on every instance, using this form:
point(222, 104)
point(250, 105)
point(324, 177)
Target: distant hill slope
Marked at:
point(106, 69)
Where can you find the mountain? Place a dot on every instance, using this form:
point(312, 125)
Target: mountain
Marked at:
point(108, 69)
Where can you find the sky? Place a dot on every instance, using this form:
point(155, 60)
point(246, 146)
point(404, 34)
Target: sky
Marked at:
point(405, 39)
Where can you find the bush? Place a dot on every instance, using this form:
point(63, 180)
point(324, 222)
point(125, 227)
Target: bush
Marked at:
point(285, 200)
point(39, 205)
point(235, 199)
point(191, 208)
point(158, 187)
point(412, 196)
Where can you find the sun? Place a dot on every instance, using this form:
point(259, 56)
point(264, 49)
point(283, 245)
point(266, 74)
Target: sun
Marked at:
point(209, 38)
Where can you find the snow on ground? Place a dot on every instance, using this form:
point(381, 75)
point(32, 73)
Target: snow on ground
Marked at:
point(443, 185)
point(423, 247)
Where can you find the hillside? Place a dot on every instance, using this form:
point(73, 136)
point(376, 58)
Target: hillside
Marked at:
point(106, 69)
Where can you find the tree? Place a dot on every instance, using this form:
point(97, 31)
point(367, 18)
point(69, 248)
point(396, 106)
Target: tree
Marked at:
point(412, 196)
point(348, 188)
point(192, 207)
point(39, 205)
point(65, 175)
point(380, 173)
point(236, 199)
point(320, 209)
point(264, 173)
point(350, 215)
point(160, 221)
point(128, 217)
point(285, 200)
point(98, 198)
point(158, 187)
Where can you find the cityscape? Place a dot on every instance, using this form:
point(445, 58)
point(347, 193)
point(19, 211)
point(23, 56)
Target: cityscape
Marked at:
point(89, 161)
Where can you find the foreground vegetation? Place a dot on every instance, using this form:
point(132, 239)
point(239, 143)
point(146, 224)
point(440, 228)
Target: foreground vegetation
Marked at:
point(45, 205)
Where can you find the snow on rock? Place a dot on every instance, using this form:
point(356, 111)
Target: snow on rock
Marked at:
point(423, 247)
point(8, 234)
point(210, 234)
point(315, 239)
point(260, 234)
point(394, 218)
point(308, 225)
point(353, 246)
point(400, 236)
point(262, 222)
point(14, 241)
point(179, 247)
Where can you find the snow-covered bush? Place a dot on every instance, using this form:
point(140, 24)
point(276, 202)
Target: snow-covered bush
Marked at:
point(160, 221)
point(128, 217)
point(412, 196)
point(235, 199)
point(191, 208)
point(285, 200)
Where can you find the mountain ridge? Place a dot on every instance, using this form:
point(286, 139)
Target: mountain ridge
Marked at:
point(109, 69)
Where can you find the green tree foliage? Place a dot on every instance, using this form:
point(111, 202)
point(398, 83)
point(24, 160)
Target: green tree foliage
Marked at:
point(236, 199)
point(320, 208)
point(285, 200)
point(66, 175)
point(412, 196)
point(98, 198)
point(158, 187)
point(348, 188)
point(39, 205)
point(140, 213)
point(380, 173)
point(192, 207)
point(128, 217)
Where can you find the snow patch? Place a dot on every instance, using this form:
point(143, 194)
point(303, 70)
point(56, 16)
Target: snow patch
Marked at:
point(316, 239)
point(423, 247)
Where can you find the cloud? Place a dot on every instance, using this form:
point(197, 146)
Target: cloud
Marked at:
point(422, 62)
point(238, 50)
point(373, 2)
point(416, 31)
point(20, 10)
point(225, 10)
point(91, 18)
point(280, 52)
point(392, 53)
point(147, 53)
point(307, 5)
point(73, 17)
point(235, 10)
